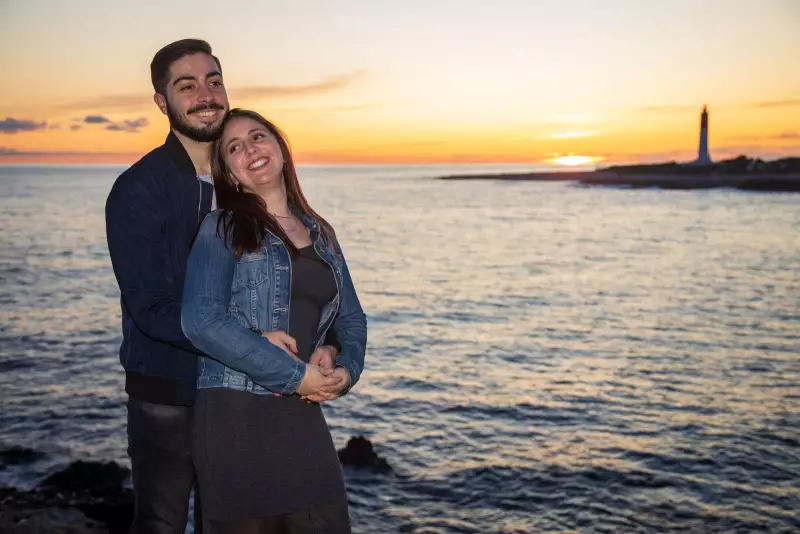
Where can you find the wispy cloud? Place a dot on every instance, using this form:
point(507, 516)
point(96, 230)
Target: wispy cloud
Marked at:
point(96, 119)
point(789, 102)
point(681, 108)
point(75, 127)
point(332, 83)
point(132, 102)
point(13, 152)
point(669, 108)
point(14, 126)
point(131, 126)
point(110, 102)
point(785, 136)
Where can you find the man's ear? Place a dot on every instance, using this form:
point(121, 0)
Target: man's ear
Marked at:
point(161, 102)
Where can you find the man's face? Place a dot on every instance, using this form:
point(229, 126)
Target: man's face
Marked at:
point(195, 99)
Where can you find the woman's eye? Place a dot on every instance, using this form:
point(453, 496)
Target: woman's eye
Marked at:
point(258, 136)
point(233, 149)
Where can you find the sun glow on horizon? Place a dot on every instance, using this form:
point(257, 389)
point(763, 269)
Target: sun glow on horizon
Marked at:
point(574, 160)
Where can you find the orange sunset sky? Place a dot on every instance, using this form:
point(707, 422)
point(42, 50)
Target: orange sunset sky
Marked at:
point(433, 81)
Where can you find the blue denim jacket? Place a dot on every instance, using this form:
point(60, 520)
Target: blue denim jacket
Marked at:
point(224, 299)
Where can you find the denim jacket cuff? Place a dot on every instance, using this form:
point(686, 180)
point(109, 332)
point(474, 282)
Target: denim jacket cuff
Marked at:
point(350, 374)
point(297, 377)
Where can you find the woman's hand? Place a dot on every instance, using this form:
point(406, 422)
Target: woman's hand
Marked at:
point(340, 380)
point(317, 382)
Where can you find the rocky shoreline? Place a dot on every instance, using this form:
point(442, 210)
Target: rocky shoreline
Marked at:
point(745, 182)
point(92, 497)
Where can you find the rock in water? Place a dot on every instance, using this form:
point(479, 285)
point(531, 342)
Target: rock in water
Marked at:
point(84, 489)
point(48, 521)
point(359, 453)
point(93, 478)
point(18, 455)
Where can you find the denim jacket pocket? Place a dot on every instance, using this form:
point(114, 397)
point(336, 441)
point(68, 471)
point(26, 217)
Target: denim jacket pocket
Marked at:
point(251, 270)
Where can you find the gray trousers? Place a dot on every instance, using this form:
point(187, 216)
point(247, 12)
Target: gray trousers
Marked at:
point(159, 445)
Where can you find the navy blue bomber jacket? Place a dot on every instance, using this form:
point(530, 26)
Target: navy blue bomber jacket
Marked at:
point(153, 213)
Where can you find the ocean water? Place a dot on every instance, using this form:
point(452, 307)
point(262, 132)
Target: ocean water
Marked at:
point(543, 357)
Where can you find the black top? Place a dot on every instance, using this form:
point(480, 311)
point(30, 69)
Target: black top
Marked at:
point(313, 286)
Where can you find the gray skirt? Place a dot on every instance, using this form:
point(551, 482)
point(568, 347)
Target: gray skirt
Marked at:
point(258, 456)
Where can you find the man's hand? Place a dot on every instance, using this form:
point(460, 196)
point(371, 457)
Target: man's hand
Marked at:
point(331, 390)
point(281, 339)
point(325, 357)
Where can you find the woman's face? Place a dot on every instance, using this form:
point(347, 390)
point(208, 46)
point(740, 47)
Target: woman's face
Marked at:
point(252, 154)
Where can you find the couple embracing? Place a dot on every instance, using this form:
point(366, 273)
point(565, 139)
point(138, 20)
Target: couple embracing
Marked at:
point(239, 319)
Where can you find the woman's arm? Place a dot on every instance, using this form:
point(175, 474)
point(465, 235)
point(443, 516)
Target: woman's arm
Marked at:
point(209, 326)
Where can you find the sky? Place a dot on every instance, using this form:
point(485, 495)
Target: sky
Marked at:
point(433, 81)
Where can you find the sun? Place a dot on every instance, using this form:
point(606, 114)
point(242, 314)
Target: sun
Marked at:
point(573, 160)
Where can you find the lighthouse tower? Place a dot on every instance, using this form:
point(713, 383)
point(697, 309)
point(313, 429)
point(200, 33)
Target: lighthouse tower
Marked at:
point(702, 150)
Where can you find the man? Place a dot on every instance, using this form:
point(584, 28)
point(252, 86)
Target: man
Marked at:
point(152, 215)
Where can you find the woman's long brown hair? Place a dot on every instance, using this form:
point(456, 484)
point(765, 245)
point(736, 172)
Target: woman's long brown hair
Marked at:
point(246, 221)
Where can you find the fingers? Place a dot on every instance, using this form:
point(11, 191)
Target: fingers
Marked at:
point(335, 386)
point(323, 357)
point(283, 340)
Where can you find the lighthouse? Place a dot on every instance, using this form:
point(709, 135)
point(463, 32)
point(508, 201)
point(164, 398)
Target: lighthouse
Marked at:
point(702, 150)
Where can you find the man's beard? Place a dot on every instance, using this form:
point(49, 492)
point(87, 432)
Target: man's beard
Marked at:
point(202, 134)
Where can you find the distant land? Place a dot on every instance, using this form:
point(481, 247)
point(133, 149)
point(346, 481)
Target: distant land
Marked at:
point(753, 174)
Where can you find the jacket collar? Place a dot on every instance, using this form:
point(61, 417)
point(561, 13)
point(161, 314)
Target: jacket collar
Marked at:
point(178, 154)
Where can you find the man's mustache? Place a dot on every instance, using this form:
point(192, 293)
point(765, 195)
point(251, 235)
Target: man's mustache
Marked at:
point(203, 107)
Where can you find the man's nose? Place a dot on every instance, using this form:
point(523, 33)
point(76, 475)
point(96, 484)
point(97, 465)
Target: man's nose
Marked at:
point(203, 94)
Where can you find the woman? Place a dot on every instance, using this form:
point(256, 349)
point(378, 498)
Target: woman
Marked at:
point(266, 284)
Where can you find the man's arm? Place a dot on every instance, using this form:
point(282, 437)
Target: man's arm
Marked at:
point(135, 230)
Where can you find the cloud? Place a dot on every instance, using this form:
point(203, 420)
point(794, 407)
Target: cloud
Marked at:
point(14, 126)
point(138, 101)
point(681, 108)
point(76, 127)
point(669, 108)
point(10, 152)
point(115, 102)
point(785, 136)
point(96, 119)
point(789, 102)
point(131, 126)
point(332, 83)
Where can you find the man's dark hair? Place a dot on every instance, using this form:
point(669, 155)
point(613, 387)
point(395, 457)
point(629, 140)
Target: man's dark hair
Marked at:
point(164, 58)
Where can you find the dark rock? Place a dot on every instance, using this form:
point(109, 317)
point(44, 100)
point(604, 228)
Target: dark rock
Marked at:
point(48, 521)
point(93, 478)
point(18, 455)
point(95, 489)
point(359, 453)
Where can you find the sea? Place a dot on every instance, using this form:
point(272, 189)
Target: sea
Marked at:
point(543, 357)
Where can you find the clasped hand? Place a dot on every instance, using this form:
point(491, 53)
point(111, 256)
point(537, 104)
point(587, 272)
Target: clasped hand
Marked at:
point(322, 382)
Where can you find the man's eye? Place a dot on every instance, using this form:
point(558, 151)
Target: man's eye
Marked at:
point(186, 88)
point(216, 83)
